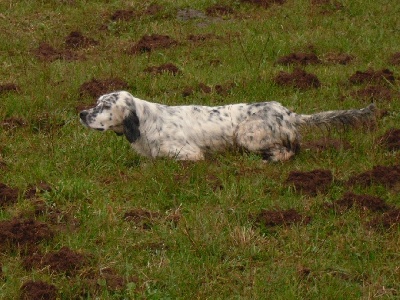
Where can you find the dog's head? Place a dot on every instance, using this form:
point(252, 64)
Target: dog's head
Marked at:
point(116, 112)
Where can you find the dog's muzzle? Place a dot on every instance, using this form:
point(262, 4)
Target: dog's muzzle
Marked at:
point(82, 116)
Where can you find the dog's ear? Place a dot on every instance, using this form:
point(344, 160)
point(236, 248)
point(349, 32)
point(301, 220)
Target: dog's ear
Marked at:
point(131, 127)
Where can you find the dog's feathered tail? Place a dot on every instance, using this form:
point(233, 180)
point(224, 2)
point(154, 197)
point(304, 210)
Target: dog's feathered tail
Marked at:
point(340, 118)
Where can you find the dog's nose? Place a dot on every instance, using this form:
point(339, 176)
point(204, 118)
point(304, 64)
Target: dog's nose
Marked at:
point(83, 114)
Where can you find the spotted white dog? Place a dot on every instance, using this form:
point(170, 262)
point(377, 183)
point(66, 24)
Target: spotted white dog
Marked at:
point(189, 132)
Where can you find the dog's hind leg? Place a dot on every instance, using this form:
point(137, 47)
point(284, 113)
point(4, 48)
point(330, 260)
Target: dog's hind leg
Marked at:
point(272, 140)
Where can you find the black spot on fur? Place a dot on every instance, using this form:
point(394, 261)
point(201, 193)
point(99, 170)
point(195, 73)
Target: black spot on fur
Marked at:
point(131, 127)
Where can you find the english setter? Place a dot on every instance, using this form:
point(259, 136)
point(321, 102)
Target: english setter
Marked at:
point(189, 132)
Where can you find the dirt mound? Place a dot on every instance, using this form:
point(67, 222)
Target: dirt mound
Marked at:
point(8, 87)
point(164, 68)
point(338, 58)
point(97, 87)
point(375, 93)
point(326, 144)
point(372, 76)
point(76, 40)
point(48, 53)
point(298, 79)
point(35, 290)
point(150, 42)
point(382, 175)
point(395, 59)
point(63, 261)
point(8, 195)
point(311, 183)
point(264, 3)
point(391, 139)
point(387, 220)
point(363, 202)
point(271, 218)
point(299, 58)
point(218, 10)
point(20, 232)
point(123, 15)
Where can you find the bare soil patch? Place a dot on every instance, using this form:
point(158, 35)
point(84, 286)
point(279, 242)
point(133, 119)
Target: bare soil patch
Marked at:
point(8, 87)
point(47, 53)
point(38, 290)
point(63, 261)
point(264, 3)
point(338, 58)
point(388, 176)
point(76, 40)
point(148, 43)
point(271, 218)
point(21, 232)
point(395, 59)
point(387, 220)
point(8, 195)
point(97, 87)
point(299, 58)
point(297, 79)
point(371, 76)
point(363, 202)
point(375, 93)
point(391, 139)
point(326, 144)
point(168, 68)
point(123, 15)
point(312, 182)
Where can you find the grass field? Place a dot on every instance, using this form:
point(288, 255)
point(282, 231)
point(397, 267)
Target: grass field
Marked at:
point(82, 216)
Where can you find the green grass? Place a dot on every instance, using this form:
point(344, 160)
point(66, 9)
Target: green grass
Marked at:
point(214, 251)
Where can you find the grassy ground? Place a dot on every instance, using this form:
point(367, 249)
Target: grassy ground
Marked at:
point(161, 229)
